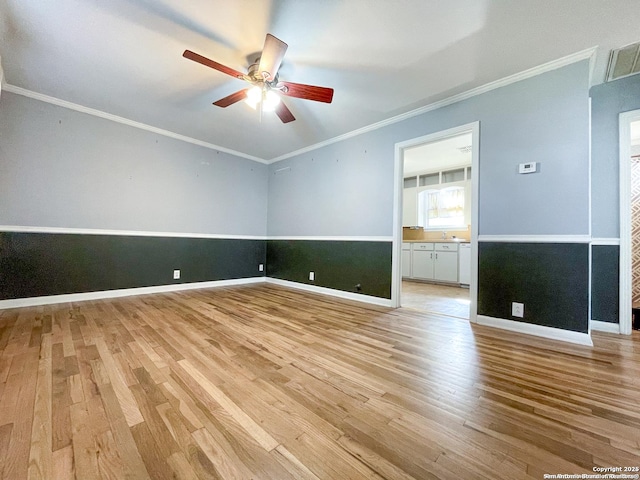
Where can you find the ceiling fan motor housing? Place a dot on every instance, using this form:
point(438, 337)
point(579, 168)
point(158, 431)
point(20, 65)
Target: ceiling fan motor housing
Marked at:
point(257, 77)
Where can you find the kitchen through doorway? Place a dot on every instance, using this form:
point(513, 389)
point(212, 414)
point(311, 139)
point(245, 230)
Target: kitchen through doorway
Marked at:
point(437, 217)
point(629, 266)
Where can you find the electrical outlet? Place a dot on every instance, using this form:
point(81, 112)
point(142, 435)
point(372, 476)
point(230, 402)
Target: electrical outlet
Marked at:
point(312, 276)
point(517, 309)
point(176, 274)
point(261, 268)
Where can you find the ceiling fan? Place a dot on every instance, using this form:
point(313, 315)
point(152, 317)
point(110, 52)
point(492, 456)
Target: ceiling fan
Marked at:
point(263, 75)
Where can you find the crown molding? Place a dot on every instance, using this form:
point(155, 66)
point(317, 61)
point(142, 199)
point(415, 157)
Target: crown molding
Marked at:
point(532, 72)
point(503, 82)
point(115, 118)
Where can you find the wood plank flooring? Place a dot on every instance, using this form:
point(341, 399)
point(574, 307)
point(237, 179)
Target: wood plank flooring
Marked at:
point(431, 297)
point(265, 382)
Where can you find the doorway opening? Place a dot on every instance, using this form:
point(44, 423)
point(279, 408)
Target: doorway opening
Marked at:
point(435, 233)
point(629, 129)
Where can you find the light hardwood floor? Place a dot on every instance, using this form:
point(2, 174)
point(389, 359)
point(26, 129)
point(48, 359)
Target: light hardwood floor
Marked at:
point(265, 382)
point(431, 297)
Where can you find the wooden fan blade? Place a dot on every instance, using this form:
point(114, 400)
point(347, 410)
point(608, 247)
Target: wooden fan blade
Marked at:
point(271, 57)
point(308, 92)
point(231, 99)
point(210, 63)
point(284, 113)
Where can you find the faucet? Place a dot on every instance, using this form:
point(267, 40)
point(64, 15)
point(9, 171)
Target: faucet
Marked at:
point(444, 235)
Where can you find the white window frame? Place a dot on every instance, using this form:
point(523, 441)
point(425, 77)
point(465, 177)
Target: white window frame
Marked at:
point(423, 217)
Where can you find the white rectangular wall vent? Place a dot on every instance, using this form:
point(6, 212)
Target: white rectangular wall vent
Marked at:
point(623, 62)
point(282, 171)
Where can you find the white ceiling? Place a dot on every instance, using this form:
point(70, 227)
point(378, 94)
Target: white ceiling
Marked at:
point(438, 155)
point(383, 58)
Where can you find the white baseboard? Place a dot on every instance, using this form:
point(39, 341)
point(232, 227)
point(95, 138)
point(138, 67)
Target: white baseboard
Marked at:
point(537, 330)
point(604, 326)
point(358, 297)
point(125, 292)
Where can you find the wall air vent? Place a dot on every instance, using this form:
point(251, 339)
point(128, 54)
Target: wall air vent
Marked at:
point(623, 62)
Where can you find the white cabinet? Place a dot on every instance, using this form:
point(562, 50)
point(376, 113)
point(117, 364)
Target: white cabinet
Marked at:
point(446, 262)
point(446, 266)
point(434, 261)
point(406, 260)
point(422, 265)
point(422, 261)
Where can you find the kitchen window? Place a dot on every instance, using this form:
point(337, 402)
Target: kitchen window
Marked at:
point(442, 207)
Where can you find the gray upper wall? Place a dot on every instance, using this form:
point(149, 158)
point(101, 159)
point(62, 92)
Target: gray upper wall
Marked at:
point(63, 168)
point(608, 100)
point(346, 188)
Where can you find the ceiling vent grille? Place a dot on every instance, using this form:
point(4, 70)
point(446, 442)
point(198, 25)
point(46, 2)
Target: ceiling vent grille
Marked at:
point(623, 62)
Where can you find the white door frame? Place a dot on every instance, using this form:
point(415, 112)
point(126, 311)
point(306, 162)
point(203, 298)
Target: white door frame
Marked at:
point(396, 280)
point(625, 120)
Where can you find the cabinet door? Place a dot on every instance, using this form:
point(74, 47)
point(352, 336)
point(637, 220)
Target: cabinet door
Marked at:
point(446, 266)
point(406, 263)
point(410, 207)
point(422, 264)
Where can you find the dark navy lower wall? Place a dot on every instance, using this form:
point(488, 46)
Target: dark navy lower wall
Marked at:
point(341, 265)
point(551, 279)
point(605, 283)
point(39, 264)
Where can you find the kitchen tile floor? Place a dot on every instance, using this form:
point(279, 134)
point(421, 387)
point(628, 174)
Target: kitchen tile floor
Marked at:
point(447, 300)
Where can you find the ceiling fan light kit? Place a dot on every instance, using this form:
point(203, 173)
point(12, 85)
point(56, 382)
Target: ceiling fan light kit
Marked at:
point(263, 75)
point(268, 98)
point(254, 96)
